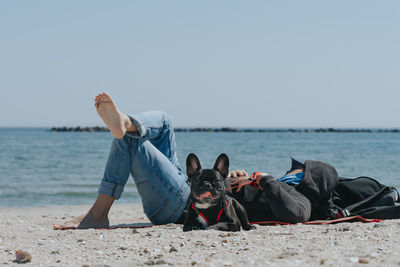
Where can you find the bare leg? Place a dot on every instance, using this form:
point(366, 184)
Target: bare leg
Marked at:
point(117, 122)
point(97, 216)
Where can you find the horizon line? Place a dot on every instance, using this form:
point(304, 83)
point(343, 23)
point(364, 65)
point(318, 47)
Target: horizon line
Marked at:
point(212, 127)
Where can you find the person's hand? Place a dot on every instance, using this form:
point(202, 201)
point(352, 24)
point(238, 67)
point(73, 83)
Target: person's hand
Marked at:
point(240, 182)
point(258, 178)
point(237, 173)
point(240, 179)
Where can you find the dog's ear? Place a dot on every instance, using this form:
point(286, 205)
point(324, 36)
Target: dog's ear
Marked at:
point(222, 165)
point(192, 165)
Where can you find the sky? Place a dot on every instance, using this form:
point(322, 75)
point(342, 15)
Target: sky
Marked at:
point(206, 63)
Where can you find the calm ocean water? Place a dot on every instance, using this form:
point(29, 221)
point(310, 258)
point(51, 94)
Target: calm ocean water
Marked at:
point(38, 167)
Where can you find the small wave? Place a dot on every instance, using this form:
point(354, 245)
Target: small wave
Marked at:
point(22, 199)
point(18, 157)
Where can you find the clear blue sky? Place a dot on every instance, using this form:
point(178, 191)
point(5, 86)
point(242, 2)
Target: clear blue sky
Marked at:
point(206, 63)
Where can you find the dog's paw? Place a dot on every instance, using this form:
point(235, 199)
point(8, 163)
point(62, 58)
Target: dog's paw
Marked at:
point(224, 226)
point(249, 227)
point(212, 227)
point(187, 228)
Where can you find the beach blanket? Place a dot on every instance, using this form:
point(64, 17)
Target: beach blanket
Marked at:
point(356, 218)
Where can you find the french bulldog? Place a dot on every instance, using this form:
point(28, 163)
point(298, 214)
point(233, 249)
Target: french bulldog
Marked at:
point(209, 206)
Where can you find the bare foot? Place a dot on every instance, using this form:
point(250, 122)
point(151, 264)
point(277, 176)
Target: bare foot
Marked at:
point(83, 222)
point(116, 121)
point(97, 217)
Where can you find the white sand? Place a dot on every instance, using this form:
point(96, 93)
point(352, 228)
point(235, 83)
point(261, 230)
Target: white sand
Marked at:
point(344, 244)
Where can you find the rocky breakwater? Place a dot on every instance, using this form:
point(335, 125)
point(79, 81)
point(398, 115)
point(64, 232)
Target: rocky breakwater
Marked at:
point(79, 129)
point(242, 130)
point(287, 130)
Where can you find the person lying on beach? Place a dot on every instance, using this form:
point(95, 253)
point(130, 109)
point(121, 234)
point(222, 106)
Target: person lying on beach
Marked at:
point(144, 147)
point(312, 191)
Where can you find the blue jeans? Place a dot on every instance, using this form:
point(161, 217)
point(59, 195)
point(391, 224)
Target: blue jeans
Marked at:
point(149, 155)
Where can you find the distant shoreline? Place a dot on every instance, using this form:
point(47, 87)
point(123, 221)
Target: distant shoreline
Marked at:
point(242, 130)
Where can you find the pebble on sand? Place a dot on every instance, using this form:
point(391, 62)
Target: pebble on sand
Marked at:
point(22, 256)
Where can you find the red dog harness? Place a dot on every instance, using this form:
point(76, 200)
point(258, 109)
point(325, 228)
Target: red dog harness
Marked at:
point(204, 216)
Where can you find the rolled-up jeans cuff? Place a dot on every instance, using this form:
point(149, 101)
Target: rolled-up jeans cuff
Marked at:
point(139, 125)
point(110, 189)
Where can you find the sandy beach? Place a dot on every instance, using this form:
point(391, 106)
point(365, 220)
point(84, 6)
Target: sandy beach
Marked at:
point(343, 244)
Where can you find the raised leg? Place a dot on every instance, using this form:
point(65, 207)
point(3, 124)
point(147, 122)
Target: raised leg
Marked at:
point(150, 156)
point(145, 147)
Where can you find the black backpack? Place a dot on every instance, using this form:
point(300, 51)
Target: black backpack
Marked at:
point(362, 196)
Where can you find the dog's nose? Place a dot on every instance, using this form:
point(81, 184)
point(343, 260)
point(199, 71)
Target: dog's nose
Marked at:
point(207, 185)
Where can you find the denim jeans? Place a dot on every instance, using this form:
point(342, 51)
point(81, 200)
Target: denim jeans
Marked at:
point(149, 155)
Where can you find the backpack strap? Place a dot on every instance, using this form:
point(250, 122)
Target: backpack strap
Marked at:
point(338, 213)
point(369, 200)
point(334, 212)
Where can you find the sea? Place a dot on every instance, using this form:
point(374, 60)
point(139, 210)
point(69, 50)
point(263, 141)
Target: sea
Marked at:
point(41, 168)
